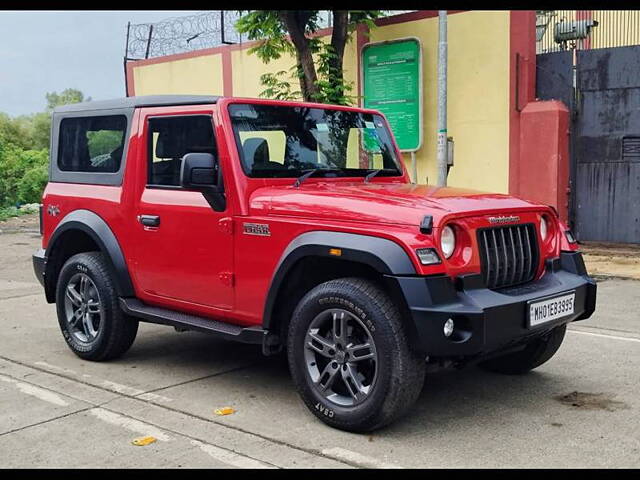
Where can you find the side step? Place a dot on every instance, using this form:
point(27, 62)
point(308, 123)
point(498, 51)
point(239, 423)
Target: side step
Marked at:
point(164, 316)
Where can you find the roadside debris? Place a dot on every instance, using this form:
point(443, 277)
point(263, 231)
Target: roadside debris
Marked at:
point(143, 441)
point(224, 411)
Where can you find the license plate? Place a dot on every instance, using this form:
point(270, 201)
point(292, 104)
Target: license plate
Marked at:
point(551, 309)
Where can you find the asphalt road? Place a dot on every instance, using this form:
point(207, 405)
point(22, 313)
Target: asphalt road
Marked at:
point(581, 409)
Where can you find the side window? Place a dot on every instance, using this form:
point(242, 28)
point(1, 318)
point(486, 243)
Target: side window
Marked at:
point(92, 144)
point(170, 138)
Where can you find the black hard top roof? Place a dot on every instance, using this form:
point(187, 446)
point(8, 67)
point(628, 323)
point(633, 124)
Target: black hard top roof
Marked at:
point(140, 101)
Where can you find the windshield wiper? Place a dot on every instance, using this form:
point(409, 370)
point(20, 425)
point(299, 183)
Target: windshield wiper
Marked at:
point(369, 176)
point(308, 173)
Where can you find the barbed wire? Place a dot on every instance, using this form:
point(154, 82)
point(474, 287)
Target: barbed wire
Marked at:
point(193, 32)
point(182, 34)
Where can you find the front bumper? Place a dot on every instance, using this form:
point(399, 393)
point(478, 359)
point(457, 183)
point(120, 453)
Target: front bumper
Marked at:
point(488, 321)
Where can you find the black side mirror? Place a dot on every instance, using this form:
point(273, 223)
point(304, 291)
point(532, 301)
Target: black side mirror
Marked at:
point(200, 171)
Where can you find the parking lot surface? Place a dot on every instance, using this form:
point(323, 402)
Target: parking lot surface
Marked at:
point(581, 409)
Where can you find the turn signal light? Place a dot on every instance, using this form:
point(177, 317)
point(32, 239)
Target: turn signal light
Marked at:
point(428, 256)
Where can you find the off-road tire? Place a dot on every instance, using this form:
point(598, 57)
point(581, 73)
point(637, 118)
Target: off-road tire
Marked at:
point(400, 371)
point(116, 331)
point(534, 354)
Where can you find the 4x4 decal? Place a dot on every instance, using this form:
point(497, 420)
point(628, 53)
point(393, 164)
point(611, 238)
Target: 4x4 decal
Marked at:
point(260, 229)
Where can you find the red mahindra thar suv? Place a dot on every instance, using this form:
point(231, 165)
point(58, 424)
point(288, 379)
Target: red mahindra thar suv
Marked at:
point(294, 226)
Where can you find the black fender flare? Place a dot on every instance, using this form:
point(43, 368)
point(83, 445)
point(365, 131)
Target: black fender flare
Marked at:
point(95, 227)
point(383, 255)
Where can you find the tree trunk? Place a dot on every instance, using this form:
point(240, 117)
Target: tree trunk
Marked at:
point(295, 21)
point(338, 42)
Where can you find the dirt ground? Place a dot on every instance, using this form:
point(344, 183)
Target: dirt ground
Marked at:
point(617, 260)
point(20, 224)
point(602, 259)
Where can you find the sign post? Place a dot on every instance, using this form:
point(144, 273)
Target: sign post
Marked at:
point(392, 83)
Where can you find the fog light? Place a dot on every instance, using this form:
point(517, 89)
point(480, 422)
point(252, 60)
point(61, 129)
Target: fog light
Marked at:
point(448, 328)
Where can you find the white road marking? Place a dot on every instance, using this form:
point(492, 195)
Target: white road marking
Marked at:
point(119, 388)
point(58, 369)
point(109, 385)
point(602, 335)
point(130, 424)
point(154, 397)
point(37, 392)
point(356, 458)
point(230, 458)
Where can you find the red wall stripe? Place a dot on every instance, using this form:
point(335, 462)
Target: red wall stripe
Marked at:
point(227, 73)
point(522, 43)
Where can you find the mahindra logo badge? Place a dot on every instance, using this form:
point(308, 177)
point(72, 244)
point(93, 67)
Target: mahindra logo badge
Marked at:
point(509, 219)
point(53, 210)
point(261, 229)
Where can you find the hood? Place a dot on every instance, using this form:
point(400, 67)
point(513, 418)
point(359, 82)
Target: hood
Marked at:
point(393, 203)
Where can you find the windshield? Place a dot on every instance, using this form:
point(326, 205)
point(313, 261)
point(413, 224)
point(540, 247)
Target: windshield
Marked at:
point(287, 141)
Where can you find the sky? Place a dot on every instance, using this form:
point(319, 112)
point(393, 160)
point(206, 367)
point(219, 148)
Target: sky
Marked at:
point(49, 51)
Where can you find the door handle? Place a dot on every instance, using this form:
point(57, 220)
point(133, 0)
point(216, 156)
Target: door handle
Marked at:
point(149, 220)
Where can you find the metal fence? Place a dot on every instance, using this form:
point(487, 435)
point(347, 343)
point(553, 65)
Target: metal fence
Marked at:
point(558, 30)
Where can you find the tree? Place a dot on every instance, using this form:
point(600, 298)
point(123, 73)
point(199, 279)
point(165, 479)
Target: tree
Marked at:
point(67, 96)
point(24, 151)
point(292, 32)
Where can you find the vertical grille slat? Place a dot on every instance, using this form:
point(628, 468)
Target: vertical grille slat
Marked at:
point(503, 246)
point(513, 254)
point(509, 254)
point(489, 270)
point(529, 259)
point(497, 255)
point(521, 252)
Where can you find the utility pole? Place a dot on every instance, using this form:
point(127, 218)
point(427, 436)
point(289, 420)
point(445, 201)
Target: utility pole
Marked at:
point(441, 155)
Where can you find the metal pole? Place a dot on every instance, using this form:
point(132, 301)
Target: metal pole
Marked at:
point(146, 55)
point(126, 56)
point(222, 39)
point(414, 167)
point(441, 155)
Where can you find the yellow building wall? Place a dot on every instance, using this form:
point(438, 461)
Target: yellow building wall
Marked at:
point(200, 75)
point(478, 96)
point(477, 101)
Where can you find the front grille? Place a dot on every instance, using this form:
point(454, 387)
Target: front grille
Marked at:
point(508, 255)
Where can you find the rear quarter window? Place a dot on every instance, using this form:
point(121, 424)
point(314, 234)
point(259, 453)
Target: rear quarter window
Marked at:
point(91, 144)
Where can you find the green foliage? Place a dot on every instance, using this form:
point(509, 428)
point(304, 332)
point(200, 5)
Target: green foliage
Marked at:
point(333, 88)
point(24, 153)
point(278, 86)
point(265, 25)
point(269, 29)
point(103, 141)
point(67, 96)
point(23, 174)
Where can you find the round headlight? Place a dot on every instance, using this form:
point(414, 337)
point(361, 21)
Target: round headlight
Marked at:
point(543, 228)
point(447, 241)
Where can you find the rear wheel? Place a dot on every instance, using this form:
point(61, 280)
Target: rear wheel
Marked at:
point(533, 355)
point(90, 318)
point(349, 356)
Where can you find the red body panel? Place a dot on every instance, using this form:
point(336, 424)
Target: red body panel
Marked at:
point(199, 260)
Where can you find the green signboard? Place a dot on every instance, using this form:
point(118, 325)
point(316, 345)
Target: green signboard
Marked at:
point(392, 83)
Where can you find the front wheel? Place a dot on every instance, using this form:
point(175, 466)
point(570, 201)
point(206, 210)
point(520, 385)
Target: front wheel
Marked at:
point(349, 356)
point(533, 355)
